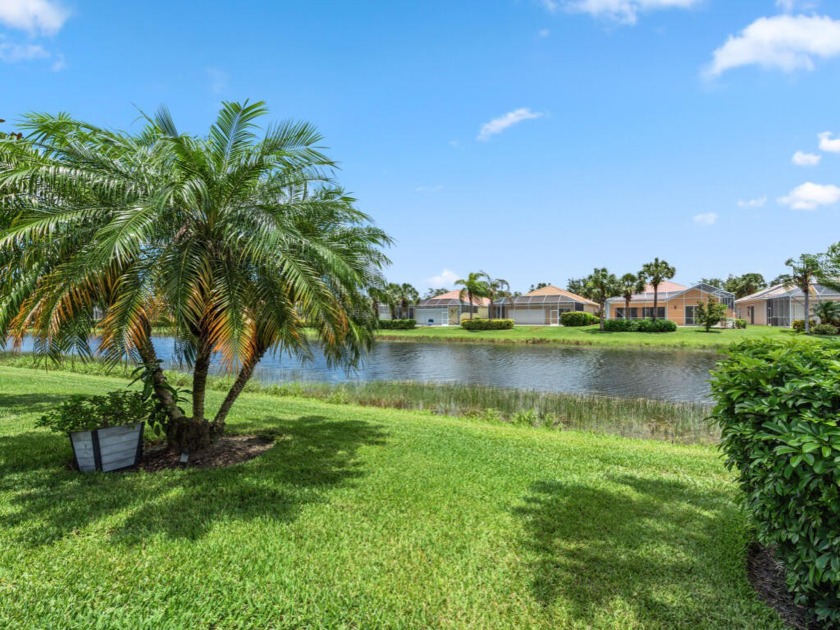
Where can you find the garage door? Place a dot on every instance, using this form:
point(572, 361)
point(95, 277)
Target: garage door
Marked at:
point(535, 316)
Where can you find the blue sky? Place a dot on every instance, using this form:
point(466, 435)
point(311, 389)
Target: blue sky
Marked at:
point(533, 139)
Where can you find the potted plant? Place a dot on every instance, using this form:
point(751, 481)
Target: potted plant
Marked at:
point(106, 432)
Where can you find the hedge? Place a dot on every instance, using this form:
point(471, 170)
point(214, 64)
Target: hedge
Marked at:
point(778, 408)
point(799, 324)
point(578, 318)
point(487, 324)
point(824, 329)
point(640, 325)
point(397, 324)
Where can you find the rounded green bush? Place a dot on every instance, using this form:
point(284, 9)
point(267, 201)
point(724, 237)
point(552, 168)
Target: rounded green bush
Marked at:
point(824, 329)
point(479, 323)
point(397, 324)
point(578, 318)
point(778, 409)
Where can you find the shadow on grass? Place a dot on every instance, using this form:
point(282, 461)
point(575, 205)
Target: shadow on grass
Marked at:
point(28, 403)
point(311, 456)
point(658, 552)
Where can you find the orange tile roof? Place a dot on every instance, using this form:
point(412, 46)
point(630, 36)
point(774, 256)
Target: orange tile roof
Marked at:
point(455, 294)
point(552, 290)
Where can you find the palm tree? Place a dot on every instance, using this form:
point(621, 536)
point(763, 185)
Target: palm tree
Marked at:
point(473, 287)
point(656, 273)
point(499, 288)
point(242, 238)
point(802, 272)
point(599, 286)
point(406, 296)
point(828, 312)
point(631, 284)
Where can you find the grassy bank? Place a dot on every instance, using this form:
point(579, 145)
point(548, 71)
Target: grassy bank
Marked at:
point(686, 337)
point(638, 418)
point(363, 517)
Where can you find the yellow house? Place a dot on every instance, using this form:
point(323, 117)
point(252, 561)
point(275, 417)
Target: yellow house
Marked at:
point(675, 302)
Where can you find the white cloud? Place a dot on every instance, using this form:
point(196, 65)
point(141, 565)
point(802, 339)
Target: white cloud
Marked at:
point(752, 203)
point(44, 17)
point(809, 196)
point(445, 278)
point(498, 125)
point(218, 79)
point(705, 218)
point(783, 42)
point(12, 53)
point(549, 5)
point(829, 144)
point(437, 188)
point(623, 11)
point(789, 6)
point(59, 64)
point(800, 158)
point(543, 33)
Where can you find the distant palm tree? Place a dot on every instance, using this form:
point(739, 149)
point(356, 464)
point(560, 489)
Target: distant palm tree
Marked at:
point(631, 284)
point(656, 273)
point(473, 287)
point(599, 286)
point(802, 272)
point(406, 296)
point(828, 312)
point(499, 288)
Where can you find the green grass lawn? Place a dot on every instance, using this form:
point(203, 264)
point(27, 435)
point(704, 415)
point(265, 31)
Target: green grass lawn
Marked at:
point(366, 518)
point(684, 337)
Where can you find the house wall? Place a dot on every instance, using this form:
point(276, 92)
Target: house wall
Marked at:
point(759, 312)
point(674, 308)
point(430, 316)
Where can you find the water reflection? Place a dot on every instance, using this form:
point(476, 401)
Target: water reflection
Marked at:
point(672, 375)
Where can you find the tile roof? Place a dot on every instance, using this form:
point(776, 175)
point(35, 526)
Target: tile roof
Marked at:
point(452, 298)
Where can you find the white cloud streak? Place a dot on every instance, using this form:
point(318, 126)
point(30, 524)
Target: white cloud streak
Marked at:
point(782, 42)
point(800, 158)
point(752, 203)
point(13, 53)
point(705, 218)
point(445, 278)
point(621, 11)
point(789, 6)
point(829, 144)
point(809, 196)
point(498, 125)
point(36, 17)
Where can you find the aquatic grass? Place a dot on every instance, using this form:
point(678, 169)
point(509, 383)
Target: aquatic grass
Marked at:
point(630, 417)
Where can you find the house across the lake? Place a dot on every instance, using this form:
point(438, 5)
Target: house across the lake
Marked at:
point(541, 307)
point(781, 304)
point(448, 309)
point(675, 302)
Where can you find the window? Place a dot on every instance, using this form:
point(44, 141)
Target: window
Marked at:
point(647, 312)
point(634, 313)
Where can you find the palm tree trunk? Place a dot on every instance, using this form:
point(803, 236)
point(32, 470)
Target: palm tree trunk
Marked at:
point(602, 306)
point(200, 371)
point(245, 374)
point(655, 300)
point(627, 308)
point(161, 389)
point(807, 309)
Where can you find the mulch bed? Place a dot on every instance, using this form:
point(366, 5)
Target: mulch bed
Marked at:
point(767, 576)
point(226, 451)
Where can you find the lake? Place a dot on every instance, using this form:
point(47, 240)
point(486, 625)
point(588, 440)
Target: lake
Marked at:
point(672, 375)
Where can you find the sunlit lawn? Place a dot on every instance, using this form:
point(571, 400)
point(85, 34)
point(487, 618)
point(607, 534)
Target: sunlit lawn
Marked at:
point(684, 337)
point(365, 518)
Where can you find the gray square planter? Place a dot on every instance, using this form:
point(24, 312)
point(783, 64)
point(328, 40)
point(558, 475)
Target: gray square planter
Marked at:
point(113, 448)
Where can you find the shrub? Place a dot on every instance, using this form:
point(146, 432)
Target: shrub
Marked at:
point(639, 325)
point(397, 324)
point(824, 329)
point(778, 408)
point(86, 413)
point(487, 324)
point(621, 325)
point(799, 324)
point(740, 323)
point(578, 318)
